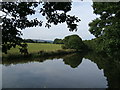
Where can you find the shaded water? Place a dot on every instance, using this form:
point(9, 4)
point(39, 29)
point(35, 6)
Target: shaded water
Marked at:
point(70, 71)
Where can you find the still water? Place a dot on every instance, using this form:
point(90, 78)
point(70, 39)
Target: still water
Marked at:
point(70, 71)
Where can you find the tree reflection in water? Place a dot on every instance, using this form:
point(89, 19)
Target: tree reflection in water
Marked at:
point(110, 66)
point(73, 60)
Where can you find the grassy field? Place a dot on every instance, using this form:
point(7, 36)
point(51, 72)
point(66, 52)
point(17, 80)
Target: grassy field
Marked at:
point(45, 47)
point(35, 48)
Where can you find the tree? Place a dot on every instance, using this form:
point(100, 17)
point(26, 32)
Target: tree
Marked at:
point(58, 41)
point(73, 42)
point(106, 28)
point(15, 19)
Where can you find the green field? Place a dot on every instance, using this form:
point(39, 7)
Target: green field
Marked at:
point(36, 47)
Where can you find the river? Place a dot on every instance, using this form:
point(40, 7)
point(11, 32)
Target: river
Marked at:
point(69, 71)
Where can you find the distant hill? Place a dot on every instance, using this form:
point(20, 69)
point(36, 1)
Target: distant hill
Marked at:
point(39, 40)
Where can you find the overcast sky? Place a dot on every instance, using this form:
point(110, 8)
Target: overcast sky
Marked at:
point(83, 10)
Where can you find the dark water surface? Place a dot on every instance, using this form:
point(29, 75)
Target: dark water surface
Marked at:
point(70, 71)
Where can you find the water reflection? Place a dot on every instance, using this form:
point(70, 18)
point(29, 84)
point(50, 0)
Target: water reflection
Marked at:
point(73, 60)
point(81, 71)
point(111, 67)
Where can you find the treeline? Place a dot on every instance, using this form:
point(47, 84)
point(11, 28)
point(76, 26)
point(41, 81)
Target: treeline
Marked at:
point(34, 41)
point(29, 41)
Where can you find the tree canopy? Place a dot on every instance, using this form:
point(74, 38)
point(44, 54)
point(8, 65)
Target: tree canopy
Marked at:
point(58, 41)
point(107, 27)
point(73, 42)
point(15, 19)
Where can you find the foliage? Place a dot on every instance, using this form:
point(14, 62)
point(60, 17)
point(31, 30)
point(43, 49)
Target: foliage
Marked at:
point(93, 45)
point(107, 27)
point(58, 41)
point(73, 42)
point(15, 19)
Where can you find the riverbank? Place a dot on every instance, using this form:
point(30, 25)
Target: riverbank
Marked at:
point(37, 50)
point(40, 54)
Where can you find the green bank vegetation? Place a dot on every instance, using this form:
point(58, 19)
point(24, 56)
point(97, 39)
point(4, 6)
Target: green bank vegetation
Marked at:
point(38, 50)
